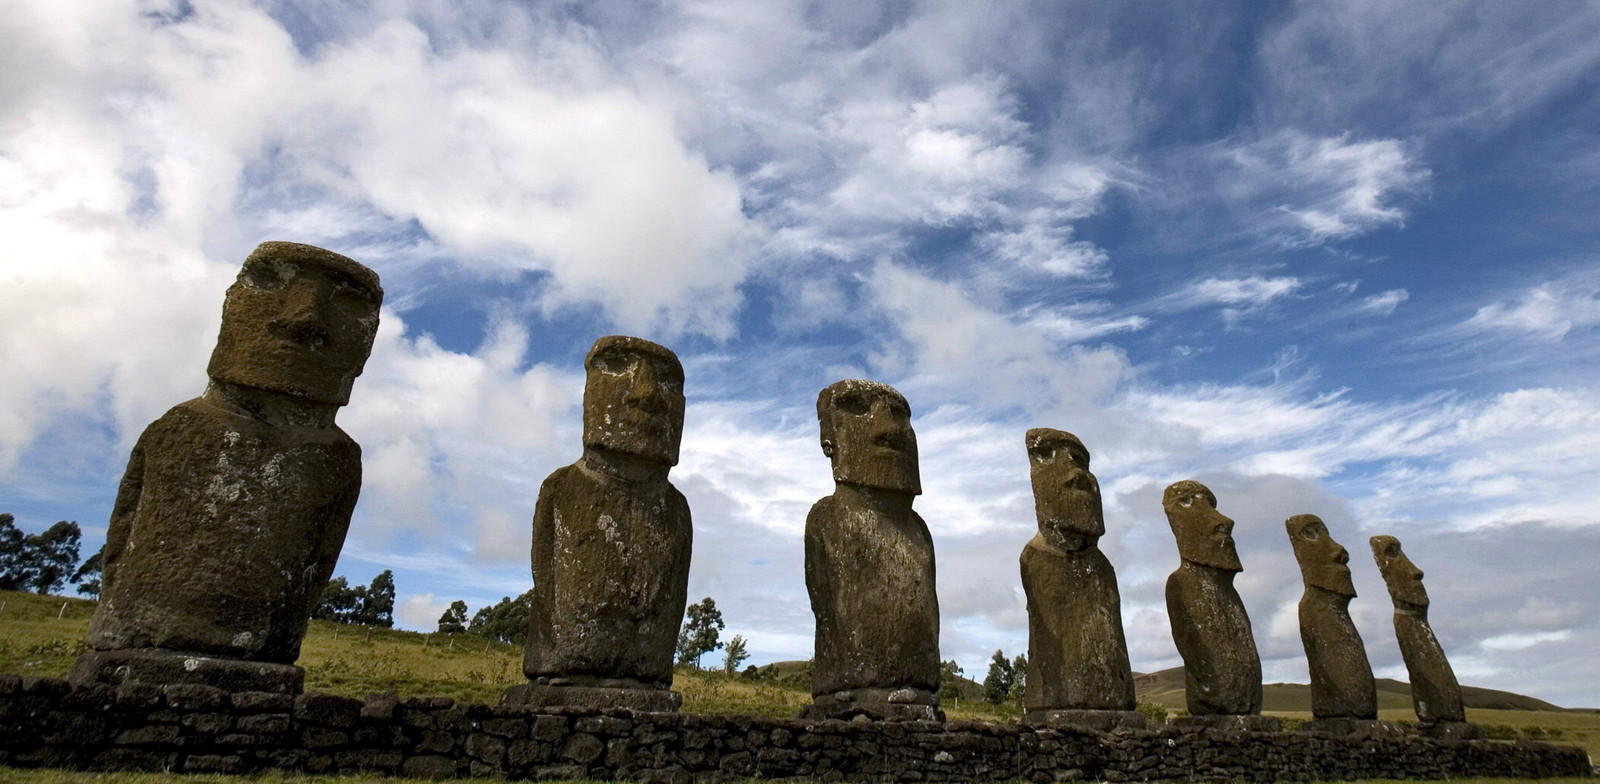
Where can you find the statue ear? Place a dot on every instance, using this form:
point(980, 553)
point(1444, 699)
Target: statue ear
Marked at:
point(827, 447)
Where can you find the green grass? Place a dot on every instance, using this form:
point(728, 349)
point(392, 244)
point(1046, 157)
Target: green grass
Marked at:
point(41, 635)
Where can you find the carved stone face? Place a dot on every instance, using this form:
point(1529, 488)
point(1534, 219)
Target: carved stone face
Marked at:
point(1323, 563)
point(1402, 577)
point(1066, 497)
point(1205, 536)
point(866, 430)
point(299, 321)
point(633, 399)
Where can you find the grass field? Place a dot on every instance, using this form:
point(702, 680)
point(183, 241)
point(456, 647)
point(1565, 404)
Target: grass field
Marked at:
point(41, 635)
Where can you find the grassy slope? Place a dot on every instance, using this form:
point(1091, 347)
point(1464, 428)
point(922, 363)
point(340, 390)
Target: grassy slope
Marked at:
point(357, 661)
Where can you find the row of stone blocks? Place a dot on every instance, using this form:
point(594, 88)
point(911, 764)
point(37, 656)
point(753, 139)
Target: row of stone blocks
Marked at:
point(45, 722)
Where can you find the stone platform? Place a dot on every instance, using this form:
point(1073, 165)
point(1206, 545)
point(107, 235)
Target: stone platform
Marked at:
point(194, 728)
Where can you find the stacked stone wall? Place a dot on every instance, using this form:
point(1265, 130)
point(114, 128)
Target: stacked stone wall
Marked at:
point(46, 722)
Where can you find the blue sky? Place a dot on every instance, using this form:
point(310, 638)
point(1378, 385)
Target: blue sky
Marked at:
point(1330, 258)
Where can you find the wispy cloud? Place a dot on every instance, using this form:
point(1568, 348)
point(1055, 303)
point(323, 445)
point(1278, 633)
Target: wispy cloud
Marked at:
point(1310, 190)
point(1548, 311)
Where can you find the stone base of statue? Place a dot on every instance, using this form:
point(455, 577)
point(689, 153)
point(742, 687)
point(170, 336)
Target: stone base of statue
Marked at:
point(163, 667)
point(1453, 730)
point(1228, 723)
point(1362, 729)
point(875, 704)
point(644, 699)
point(1103, 720)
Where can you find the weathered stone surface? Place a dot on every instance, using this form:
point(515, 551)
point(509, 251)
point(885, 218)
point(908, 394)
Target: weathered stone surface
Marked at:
point(534, 695)
point(869, 564)
point(1077, 654)
point(1435, 693)
point(158, 666)
point(1341, 677)
point(1103, 720)
point(1222, 671)
point(1228, 723)
point(611, 540)
point(235, 504)
point(616, 745)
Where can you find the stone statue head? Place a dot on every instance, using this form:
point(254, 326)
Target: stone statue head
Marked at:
point(866, 430)
point(1323, 563)
point(1066, 497)
point(298, 321)
point(1402, 577)
point(1205, 536)
point(633, 399)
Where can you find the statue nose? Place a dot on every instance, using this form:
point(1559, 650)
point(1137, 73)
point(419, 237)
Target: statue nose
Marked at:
point(643, 383)
point(302, 316)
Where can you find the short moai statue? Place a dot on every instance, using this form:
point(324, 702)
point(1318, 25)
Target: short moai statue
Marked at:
point(235, 504)
point(1222, 671)
point(1435, 693)
point(1344, 697)
point(1078, 671)
point(869, 564)
point(611, 543)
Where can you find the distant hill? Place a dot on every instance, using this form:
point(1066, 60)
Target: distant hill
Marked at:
point(1165, 688)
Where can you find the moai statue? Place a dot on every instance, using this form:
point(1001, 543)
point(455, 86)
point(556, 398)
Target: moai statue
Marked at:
point(611, 539)
point(869, 564)
point(235, 504)
point(1222, 671)
point(1434, 690)
point(1078, 670)
point(1344, 698)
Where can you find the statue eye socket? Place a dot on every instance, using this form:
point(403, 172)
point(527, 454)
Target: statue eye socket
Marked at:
point(854, 405)
point(351, 296)
point(1308, 533)
point(269, 274)
point(1042, 453)
point(611, 364)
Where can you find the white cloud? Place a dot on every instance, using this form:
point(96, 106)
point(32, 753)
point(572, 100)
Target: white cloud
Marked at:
point(1240, 297)
point(1385, 302)
point(1309, 190)
point(1548, 311)
point(420, 611)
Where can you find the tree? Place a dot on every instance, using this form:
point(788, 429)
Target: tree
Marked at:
point(88, 575)
point(454, 620)
point(949, 681)
point(1019, 676)
point(698, 637)
point(370, 605)
point(37, 562)
point(506, 621)
point(734, 654)
point(997, 684)
point(340, 602)
point(377, 606)
point(12, 555)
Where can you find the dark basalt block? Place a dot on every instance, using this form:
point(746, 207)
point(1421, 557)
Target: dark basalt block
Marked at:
point(1103, 720)
point(533, 695)
point(153, 665)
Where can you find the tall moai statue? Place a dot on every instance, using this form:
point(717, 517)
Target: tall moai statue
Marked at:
point(869, 564)
point(1344, 697)
point(1222, 671)
point(1078, 671)
point(611, 541)
point(1435, 693)
point(235, 504)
